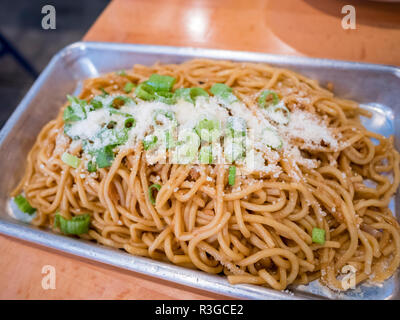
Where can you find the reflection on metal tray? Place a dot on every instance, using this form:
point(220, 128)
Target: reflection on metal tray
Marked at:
point(375, 86)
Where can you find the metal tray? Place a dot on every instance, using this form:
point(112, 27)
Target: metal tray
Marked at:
point(375, 86)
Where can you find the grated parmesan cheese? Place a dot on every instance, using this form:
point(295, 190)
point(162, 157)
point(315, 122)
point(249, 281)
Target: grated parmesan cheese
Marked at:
point(308, 128)
point(263, 149)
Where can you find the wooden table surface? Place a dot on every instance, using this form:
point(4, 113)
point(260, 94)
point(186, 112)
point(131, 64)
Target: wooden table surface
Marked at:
point(292, 27)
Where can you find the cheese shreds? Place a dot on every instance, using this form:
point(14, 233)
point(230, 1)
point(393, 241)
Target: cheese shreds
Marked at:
point(267, 139)
point(308, 128)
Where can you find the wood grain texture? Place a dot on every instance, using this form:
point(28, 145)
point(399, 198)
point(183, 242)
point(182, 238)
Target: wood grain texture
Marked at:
point(21, 277)
point(293, 27)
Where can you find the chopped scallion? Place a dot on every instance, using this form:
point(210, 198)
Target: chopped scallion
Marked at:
point(318, 236)
point(273, 98)
point(169, 140)
point(151, 196)
point(130, 123)
point(205, 155)
point(161, 83)
point(105, 156)
point(232, 175)
point(165, 96)
point(97, 104)
point(196, 92)
point(120, 101)
point(113, 136)
point(157, 87)
point(112, 110)
point(208, 130)
point(70, 160)
point(145, 92)
point(128, 87)
point(75, 111)
point(149, 142)
point(190, 94)
point(91, 166)
point(24, 205)
point(224, 92)
point(77, 225)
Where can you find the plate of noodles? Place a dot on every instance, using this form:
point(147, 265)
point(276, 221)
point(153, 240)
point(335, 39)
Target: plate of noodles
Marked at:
point(246, 174)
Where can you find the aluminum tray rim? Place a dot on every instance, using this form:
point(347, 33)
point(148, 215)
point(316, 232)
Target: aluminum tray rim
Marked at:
point(165, 271)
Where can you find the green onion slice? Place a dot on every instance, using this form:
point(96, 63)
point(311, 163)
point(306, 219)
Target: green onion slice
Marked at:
point(165, 96)
point(145, 92)
point(111, 124)
point(224, 92)
point(91, 166)
point(277, 111)
point(208, 130)
point(113, 136)
point(183, 93)
point(76, 110)
point(149, 142)
point(157, 87)
point(121, 100)
point(128, 87)
point(196, 92)
point(151, 197)
point(104, 156)
point(318, 236)
point(205, 155)
point(70, 160)
point(161, 83)
point(77, 225)
point(112, 110)
point(24, 205)
point(130, 123)
point(96, 104)
point(232, 175)
point(169, 139)
point(74, 113)
point(190, 94)
point(273, 98)
point(76, 100)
